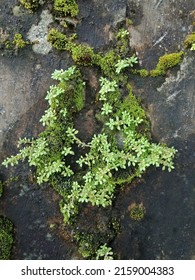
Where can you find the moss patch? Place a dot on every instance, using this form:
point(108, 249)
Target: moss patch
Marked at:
point(165, 62)
point(6, 238)
point(66, 7)
point(18, 41)
point(190, 40)
point(82, 54)
point(30, 4)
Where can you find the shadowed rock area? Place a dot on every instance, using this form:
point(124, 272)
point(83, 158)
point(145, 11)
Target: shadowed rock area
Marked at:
point(168, 229)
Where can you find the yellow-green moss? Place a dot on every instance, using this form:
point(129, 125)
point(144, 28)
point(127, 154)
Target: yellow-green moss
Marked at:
point(30, 4)
point(190, 40)
point(82, 54)
point(6, 238)
point(59, 40)
point(132, 106)
point(107, 62)
point(165, 62)
point(142, 72)
point(18, 41)
point(67, 7)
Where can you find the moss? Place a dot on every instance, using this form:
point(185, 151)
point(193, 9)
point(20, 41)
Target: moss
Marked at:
point(18, 41)
point(137, 211)
point(107, 62)
point(67, 7)
point(59, 40)
point(79, 98)
point(129, 22)
point(30, 4)
point(87, 244)
point(6, 238)
point(122, 45)
point(143, 73)
point(165, 62)
point(190, 40)
point(82, 54)
point(131, 105)
point(1, 189)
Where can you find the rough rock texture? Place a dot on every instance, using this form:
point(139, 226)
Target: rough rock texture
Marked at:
point(168, 230)
point(38, 33)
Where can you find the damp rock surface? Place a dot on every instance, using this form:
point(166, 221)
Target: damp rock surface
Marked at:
point(167, 230)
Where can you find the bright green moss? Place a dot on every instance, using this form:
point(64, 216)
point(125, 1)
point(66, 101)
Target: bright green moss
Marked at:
point(18, 41)
point(165, 62)
point(67, 7)
point(6, 238)
point(190, 39)
point(30, 4)
point(132, 106)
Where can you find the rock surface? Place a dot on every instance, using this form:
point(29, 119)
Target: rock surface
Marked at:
point(168, 230)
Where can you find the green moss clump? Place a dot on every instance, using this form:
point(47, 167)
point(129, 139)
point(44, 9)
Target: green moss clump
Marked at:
point(190, 40)
point(165, 62)
point(18, 41)
point(6, 238)
point(30, 4)
point(67, 7)
point(60, 41)
point(137, 211)
point(82, 54)
point(143, 73)
point(132, 106)
point(107, 62)
point(57, 39)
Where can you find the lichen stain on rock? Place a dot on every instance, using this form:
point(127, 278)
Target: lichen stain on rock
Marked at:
point(38, 34)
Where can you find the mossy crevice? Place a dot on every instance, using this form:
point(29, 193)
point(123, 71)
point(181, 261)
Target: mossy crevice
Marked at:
point(6, 238)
